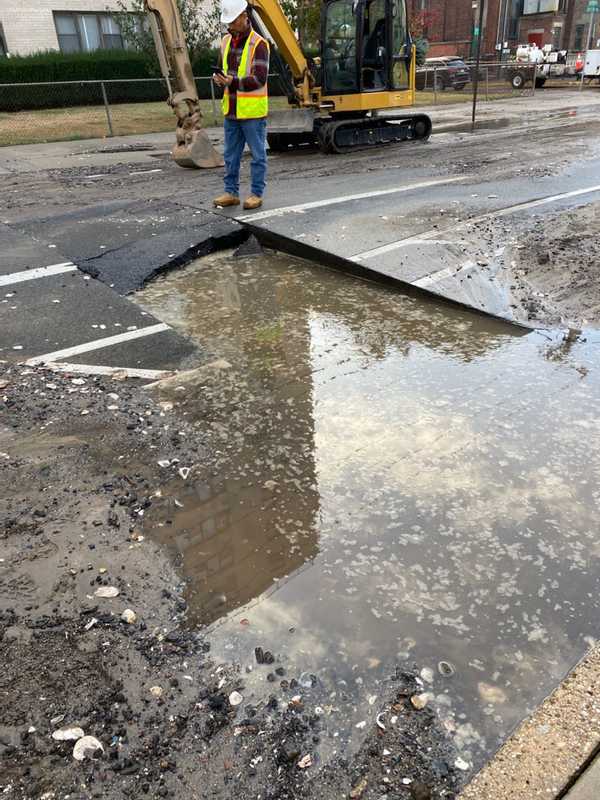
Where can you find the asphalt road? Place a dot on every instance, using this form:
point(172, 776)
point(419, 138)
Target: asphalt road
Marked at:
point(121, 215)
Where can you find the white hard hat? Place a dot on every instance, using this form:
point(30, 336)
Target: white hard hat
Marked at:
point(231, 9)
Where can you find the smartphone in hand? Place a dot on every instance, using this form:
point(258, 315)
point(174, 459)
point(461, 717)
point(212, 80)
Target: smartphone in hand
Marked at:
point(218, 71)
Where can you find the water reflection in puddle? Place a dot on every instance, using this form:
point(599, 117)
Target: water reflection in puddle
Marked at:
point(392, 481)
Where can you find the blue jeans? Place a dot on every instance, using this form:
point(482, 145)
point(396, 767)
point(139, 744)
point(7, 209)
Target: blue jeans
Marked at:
point(238, 133)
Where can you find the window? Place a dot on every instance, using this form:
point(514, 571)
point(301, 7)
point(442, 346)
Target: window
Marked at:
point(540, 6)
point(339, 48)
point(400, 52)
point(87, 32)
point(579, 32)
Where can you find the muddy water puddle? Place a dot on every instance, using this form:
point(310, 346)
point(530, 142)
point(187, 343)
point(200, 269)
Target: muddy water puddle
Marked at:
point(392, 482)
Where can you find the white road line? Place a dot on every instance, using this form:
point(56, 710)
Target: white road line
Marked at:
point(38, 272)
point(97, 344)
point(94, 369)
point(331, 201)
point(501, 212)
point(435, 277)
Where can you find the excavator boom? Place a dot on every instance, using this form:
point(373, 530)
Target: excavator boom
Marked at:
point(279, 29)
point(192, 147)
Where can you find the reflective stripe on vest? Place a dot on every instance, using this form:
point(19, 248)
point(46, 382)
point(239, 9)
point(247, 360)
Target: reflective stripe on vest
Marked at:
point(249, 105)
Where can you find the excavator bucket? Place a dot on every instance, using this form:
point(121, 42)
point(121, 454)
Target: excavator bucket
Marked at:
point(193, 147)
point(196, 151)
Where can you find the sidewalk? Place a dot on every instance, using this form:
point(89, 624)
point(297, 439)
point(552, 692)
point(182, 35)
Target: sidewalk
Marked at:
point(143, 148)
point(587, 787)
point(547, 753)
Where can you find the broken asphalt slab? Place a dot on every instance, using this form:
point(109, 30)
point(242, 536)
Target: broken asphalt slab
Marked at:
point(51, 312)
point(125, 244)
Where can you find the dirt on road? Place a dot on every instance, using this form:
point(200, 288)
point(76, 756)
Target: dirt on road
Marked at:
point(94, 642)
point(554, 267)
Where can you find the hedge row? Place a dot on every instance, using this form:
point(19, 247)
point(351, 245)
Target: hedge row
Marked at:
point(54, 66)
point(51, 68)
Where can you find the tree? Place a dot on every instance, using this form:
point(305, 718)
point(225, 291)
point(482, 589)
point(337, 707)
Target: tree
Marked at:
point(201, 27)
point(305, 18)
point(419, 23)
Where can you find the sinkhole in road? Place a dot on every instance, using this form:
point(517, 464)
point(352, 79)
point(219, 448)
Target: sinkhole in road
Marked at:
point(399, 482)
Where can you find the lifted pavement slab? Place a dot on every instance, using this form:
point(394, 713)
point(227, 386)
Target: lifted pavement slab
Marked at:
point(125, 244)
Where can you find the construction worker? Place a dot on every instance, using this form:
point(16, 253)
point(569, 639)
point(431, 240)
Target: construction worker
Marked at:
point(244, 65)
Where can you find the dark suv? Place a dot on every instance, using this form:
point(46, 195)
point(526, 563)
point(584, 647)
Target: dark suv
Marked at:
point(448, 72)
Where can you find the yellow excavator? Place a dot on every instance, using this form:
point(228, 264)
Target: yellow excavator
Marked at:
point(366, 67)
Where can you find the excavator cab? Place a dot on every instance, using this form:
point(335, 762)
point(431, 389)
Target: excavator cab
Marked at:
point(365, 47)
point(367, 65)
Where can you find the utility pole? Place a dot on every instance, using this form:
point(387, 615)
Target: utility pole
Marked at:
point(591, 9)
point(479, 33)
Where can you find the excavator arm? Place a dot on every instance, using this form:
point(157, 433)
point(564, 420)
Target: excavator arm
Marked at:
point(279, 29)
point(192, 147)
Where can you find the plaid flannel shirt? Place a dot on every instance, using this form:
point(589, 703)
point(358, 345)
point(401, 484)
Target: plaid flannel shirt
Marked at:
point(258, 76)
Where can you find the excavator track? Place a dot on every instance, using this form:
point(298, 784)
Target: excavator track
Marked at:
point(344, 136)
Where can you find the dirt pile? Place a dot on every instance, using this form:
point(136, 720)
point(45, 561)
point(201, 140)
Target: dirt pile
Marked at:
point(556, 266)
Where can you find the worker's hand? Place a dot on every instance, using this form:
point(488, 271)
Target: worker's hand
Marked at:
point(222, 80)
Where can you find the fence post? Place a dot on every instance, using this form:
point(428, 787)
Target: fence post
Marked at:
point(212, 97)
point(435, 86)
point(107, 109)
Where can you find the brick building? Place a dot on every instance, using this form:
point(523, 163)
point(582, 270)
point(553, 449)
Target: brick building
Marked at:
point(449, 25)
point(28, 26)
point(562, 23)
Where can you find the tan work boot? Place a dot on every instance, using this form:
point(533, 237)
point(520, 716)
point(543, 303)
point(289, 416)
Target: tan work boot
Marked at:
point(225, 200)
point(252, 202)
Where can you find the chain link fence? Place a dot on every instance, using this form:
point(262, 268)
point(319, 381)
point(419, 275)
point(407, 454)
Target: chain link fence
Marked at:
point(448, 84)
point(70, 110)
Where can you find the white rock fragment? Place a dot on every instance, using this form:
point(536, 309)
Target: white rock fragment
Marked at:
point(461, 764)
point(156, 691)
point(427, 674)
point(419, 701)
point(184, 472)
point(106, 591)
point(305, 761)
point(86, 747)
point(68, 734)
point(235, 698)
point(129, 616)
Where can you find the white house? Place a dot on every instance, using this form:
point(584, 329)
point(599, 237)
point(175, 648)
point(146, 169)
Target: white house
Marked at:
point(27, 26)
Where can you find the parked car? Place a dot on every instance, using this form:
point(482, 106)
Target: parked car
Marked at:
point(447, 71)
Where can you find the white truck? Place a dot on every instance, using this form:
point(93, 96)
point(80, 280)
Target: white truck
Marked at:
point(591, 67)
point(543, 62)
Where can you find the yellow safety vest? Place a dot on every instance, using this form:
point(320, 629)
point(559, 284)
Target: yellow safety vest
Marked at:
point(249, 105)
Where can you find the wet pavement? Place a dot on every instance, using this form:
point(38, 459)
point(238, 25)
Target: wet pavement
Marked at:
point(398, 482)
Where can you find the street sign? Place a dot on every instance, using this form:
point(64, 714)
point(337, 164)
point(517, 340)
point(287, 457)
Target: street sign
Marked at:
point(593, 7)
